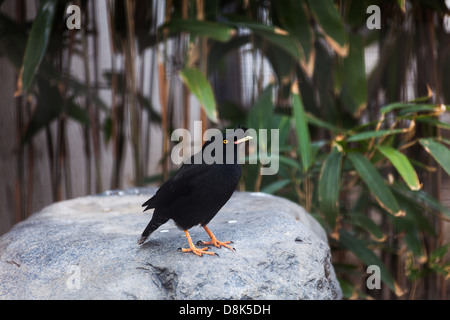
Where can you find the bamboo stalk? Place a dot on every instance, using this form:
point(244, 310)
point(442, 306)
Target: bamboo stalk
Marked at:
point(61, 129)
point(92, 112)
point(143, 147)
point(203, 60)
point(163, 89)
point(130, 65)
point(20, 165)
point(147, 140)
point(30, 174)
point(185, 92)
point(116, 110)
point(164, 124)
point(96, 128)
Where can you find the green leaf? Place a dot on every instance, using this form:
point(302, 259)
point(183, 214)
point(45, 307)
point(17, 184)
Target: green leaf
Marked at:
point(420, 199)
point(200, 87)
point(280, 158)
point(353, 74)
point(368, 257)
point(369, 225)
point(415, 109)
point(218, 50)
point(259, 116)
point(394, 106)
point(79, 89)
point(37, 43)
point(49, 107)
point(315, 121)
point(78, 114)
point(302, 131)
point(212, 30)
point(329, 185)
point(348, 289)
point(146, 103)
point(372, 134)
point(275, 186)
point(293, 18)
point(403, 166)
point(331, 22)
point(288, 161)
point(438, 151)
point(412, 238)
point(434, 122)
point(439, 253)
point(276, 36)
point(374, 181)
point(406, 108)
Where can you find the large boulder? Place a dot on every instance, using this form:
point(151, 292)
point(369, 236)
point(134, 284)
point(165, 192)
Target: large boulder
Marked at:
point(86, 248)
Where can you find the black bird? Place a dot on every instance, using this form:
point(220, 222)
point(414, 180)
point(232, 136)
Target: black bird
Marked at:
point(197, 192)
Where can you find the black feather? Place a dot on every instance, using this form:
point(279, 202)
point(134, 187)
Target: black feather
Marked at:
point(195, 193)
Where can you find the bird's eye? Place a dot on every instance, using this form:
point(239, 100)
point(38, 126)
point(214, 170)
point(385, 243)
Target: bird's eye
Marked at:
point(225, 141)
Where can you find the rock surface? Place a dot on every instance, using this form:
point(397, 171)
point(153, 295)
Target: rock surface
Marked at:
point(86, 248)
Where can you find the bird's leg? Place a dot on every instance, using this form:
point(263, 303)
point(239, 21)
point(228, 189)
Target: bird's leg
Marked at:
point(193, 249)
point(214, 240)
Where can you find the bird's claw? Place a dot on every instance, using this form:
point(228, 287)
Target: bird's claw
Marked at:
point(217, 244)
point(197, 251)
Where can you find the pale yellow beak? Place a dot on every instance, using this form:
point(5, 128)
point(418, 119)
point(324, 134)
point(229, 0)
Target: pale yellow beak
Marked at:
point(243, 139)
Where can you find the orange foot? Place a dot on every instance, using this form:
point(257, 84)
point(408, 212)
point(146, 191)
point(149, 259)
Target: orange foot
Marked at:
point(214, 241)
point(194, 249)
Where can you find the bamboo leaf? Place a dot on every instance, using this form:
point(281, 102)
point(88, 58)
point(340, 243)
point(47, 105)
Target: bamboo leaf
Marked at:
point(330, 20)
point(439, 253)
point(315, 121)
point(368, 257)
point(259, 116)
point(374, 181)
point(403, 166)
point(415, 109)
point(394, 106)
point(329, 185)
point(438, 151)
point(78, 114)
point(352, 71)
point(372, 134)
point(420, 199)
point(302, 130)
point(293, 18)
point(200, 87)
point(434, 122)
point(280, 158)
point(407, 107)
point(37, 44)
point(212, 30)
point(218, 50)
point(413, 239)
point(369, 225)
point(275, 186)
point(49, 107)
point(276, 36)
point(288, 161)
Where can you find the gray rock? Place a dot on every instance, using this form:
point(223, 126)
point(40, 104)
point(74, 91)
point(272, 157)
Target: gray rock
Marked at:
point(86, 248)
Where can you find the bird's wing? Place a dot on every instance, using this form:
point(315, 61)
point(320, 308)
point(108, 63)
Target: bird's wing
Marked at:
point(176, 187)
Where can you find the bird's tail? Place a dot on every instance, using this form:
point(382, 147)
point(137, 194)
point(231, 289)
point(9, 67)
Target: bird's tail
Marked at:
point(149, 204)
point(154, 224)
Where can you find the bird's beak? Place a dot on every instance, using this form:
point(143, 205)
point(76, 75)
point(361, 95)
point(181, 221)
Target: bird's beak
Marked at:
point(243, 139)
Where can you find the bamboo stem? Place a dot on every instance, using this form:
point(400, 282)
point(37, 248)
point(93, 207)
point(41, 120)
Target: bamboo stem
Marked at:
point(163, 89)
point(130, 65)
point(117, 111)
